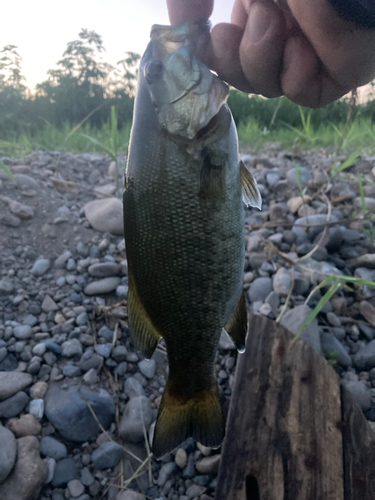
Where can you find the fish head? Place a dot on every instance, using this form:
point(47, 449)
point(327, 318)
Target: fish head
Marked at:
point(185, 93)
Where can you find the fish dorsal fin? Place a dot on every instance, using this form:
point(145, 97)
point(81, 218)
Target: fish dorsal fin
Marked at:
point(145, 335)
point(250, 192)
point(236, 326)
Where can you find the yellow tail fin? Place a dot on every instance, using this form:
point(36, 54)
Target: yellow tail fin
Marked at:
point(180, 418)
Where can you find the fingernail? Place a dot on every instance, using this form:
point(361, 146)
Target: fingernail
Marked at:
point(259, 21)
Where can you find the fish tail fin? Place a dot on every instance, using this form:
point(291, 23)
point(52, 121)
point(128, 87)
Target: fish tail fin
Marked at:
point(180, 418)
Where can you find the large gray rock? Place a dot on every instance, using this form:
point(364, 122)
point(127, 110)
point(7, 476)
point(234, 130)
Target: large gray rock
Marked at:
point(332, 346)
point(13, 406)
point(65, 471)
point(105, 215)
point(52, 448)
point(295, 318)
point(104, 269)
point(8, 451)
point(136, 419)
point(28, 475)
point(69, 413)
point(12, 382)
point(364, 359)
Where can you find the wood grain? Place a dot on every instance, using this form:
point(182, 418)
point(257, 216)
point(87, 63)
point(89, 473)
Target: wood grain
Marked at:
point(283, 437)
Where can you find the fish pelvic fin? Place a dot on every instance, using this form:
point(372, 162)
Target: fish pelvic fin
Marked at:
point(236, 326)
point(180, 418)
point(145, 335)
point(250, 192)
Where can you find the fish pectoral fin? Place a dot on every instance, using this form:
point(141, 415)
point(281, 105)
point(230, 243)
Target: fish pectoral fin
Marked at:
point(236, 326)
point(179, 418)
point(250, 192)
point(212, 180)
point(145, 335)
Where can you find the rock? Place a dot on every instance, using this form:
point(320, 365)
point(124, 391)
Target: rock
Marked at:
point(24, 212)
point(312, 225)
point(278, 211)
point(294, 204)
point(332, 346)
point(295, 318)
point(40, 267)
point(107, 455)
point(91, 377)
point(165, 472)
point(259, 289)
point(23, 332)
point(369, 203)
point(86, 477)
point(137, 417)
point(26, 425)
point(49, 305)
point(340, 189)
point(72, 371)
point(13, 406)
point(12, 382)
point(360, 392)
point(63, 258)
point(368, 311)
point(37, 408)
point(194, 491)
point(51, 467)
point(104, 269)
point(90, 360)
point(181, 458)
point(208, 465)
point(65, 471)
point(6, 286)
point(9, 363)
point(133, 388)
point(29, 473)
point(72, 348)
point(69, 413)
point(26, 183)
point(292, 176)
point(282, 281)
point(52, 448)
point(119, 353)
point(75, 488)
point(8, 452)
point(367, 274)
point(104, 349)
point(147, 367)
point(225, 341)
point(9, 219)
point(366, 260)
point(104, 285)
point(130, 495)
point(105, 215)
point(364, 359)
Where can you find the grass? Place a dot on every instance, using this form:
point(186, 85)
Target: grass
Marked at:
point(66, 138)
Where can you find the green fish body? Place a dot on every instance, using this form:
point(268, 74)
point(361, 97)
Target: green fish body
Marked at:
point(184, 230)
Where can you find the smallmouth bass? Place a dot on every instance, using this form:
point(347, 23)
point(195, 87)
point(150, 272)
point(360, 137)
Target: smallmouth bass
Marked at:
point(184, 229)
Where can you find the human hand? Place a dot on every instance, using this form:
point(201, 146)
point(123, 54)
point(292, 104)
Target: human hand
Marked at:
point(299, 48)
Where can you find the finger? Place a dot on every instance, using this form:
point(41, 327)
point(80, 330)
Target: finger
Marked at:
point(239, 14)
point(223, 56)
point(304, 79)
point(262, 47)
point(190, 11)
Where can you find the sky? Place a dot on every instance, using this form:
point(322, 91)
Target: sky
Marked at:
point(41, 29)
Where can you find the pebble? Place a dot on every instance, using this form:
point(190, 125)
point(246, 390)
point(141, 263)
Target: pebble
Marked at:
point(208, 465)
point(40, 267)
point(105, 285)
point(29, 473)
point(107, 455)
point(104, 269)
point(104, 350)
point(259, 289)
point(282, 281)
point(22, 332)
point(133, 388)
point(13, 406)
point(106, 215)
point(331, 346)
point(8, 452)
point(181, 458)
point(52, 448)
point(65, 471)
point(148, 368)
point(72, 348)
point(26, 425)
point(364, 359)
point(6, 286)
point(165, 472)
point(136, 419)
point(130, 495)
point(13, 382)
point(295, 318)
point(360, 392)
point(75, 488)
point(37, 408)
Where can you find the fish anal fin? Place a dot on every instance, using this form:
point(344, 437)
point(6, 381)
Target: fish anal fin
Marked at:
point(250, 192)
point(179, 418)
point(236, 326)
point(145, 335)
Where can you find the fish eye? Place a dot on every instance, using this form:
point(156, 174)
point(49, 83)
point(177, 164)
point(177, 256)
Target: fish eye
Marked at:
point(153, 71)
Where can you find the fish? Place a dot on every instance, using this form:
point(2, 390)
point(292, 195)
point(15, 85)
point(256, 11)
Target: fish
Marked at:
point(184, 229)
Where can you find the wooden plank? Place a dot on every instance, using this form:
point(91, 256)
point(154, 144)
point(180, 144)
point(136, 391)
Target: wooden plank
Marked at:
point(283, 437)
point(359, 451)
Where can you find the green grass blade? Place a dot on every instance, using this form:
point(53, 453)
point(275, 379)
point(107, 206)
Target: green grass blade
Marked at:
point(7, 171)
point(326, 297)
point(101, 145)
point(362, 193)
